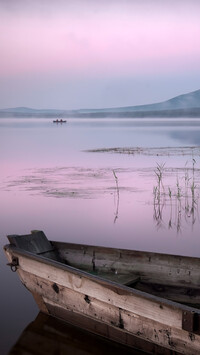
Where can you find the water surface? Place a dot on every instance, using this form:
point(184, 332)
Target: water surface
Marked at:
point(50, 181)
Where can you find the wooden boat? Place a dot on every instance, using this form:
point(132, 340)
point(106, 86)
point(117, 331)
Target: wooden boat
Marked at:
point(147, 300)
point(59, 121)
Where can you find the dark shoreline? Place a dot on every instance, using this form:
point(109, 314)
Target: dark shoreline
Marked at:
point(189, 113)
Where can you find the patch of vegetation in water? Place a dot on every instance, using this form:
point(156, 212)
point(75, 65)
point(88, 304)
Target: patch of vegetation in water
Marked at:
point(178, 201)
point(155, 151)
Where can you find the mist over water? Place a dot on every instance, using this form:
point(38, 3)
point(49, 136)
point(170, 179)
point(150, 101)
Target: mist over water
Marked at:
point(50, 181)
point(118, 182)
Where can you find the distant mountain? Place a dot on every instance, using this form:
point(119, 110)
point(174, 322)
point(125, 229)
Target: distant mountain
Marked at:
point(185, 101)
point(186, 105)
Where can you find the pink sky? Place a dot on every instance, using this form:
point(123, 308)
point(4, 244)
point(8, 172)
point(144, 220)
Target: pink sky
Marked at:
point(67, 43)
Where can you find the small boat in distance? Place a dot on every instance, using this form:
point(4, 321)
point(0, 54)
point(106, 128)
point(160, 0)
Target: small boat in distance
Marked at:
point(149, 301)
point(59, 121)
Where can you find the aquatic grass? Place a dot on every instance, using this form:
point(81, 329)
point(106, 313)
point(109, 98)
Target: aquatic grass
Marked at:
point(170, 218)
point(117, 189)
point(173, 197)
point(159, 195)
point(159, 173)
point(151, 151)
point(178, 194)
point(159, 176)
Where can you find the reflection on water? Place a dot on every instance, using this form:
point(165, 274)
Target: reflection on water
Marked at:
point(117, 193)
point(176, 202)
point(189, 136)
point(66, 182)
point(49, 181)
point(175, 195)
point(49, 336)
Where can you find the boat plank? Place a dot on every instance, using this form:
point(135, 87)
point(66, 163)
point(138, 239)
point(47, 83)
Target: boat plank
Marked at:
point(188, 294)
point(126, 298)
point(110, 332)
point(124, 279)
point(40, 302)
point(113, 316)
point(151, 267)
point(36, 243)
point(90, 285)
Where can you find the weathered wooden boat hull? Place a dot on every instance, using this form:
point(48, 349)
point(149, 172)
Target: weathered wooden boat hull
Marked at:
point(105, 307)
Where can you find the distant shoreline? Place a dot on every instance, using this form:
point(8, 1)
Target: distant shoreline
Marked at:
point(190, 113)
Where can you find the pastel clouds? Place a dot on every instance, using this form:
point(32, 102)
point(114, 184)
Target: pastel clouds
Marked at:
point(132, 42)
point(79, 39)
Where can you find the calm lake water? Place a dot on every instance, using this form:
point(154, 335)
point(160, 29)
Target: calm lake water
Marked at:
point(49, 181)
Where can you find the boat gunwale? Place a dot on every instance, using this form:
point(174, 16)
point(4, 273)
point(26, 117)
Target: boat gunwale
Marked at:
point(96, 278)
point(128, 251)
